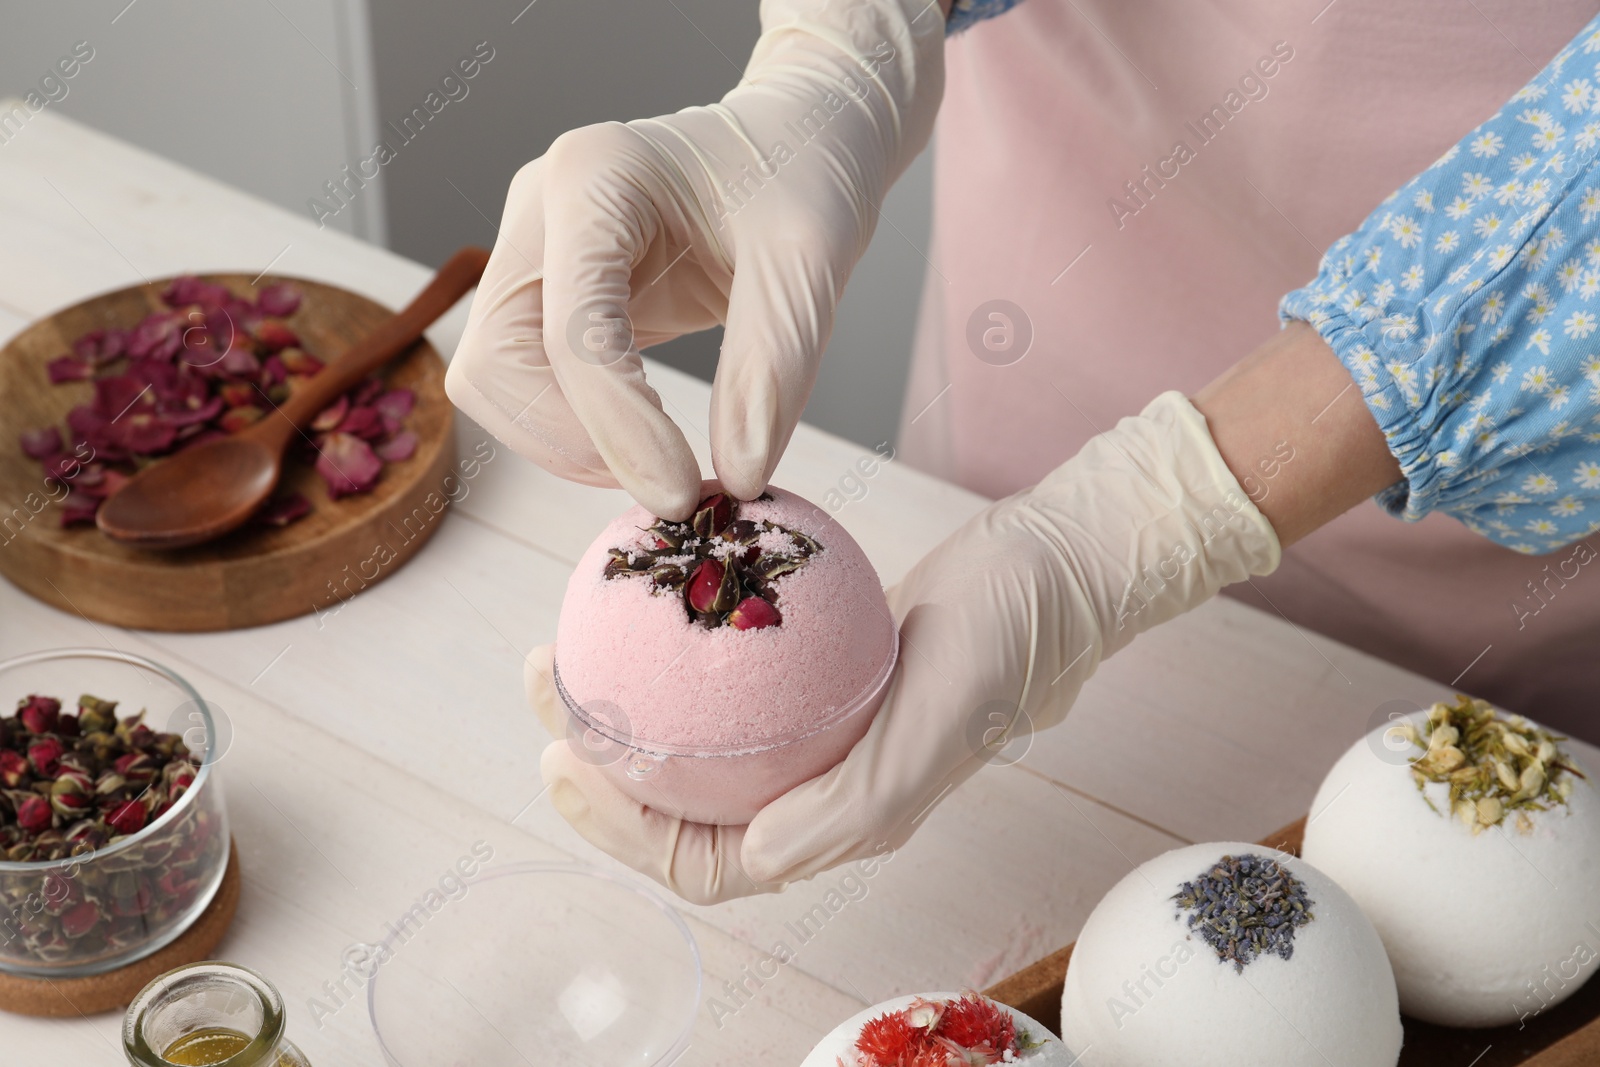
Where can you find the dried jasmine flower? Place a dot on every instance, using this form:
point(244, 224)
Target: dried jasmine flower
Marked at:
point(1494, 765)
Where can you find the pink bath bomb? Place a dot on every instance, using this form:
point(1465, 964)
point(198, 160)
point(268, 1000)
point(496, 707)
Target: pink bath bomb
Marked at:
point(716, 720)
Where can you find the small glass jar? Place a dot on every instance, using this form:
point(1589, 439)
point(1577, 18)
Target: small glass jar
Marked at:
point(208, 1014)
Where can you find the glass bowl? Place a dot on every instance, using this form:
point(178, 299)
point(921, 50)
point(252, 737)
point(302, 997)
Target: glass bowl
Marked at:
point(537, 963)
point(101, 909)
point(723, 785)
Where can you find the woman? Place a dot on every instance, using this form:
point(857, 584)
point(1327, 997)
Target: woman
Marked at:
point(1457, 312)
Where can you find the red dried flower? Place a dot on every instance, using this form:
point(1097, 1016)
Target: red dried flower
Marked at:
point(41, 715)
point(127, 817)
point(33, 813)
point(891, 1041)
point(705, 584)
point(81, 919)
point(969, 1030)
point(976, 1024)
point(13, 769)
point(45, 757)
point(753, 613)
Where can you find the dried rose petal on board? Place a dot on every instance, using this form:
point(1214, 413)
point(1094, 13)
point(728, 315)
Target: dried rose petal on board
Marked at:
point(41, 444)
point(280, 300)
point(399, 447)
point(68, 369)
point(282, 510)
point(347, 464)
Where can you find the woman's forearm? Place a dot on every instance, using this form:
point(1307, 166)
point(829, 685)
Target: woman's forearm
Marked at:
point(1289, 421)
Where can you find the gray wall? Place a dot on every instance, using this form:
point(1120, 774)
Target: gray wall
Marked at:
point(567, 63)
point(274, 97)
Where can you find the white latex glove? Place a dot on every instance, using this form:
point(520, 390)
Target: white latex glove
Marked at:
point(751, 212)
point(1013, 611)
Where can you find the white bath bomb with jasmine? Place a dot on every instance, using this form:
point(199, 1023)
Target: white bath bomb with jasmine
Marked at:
point(1037, 1046)
point(1145, 988)
point(1484, 924)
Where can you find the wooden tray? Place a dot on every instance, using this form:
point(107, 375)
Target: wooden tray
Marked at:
point(1566, 1036)
point(256, 575)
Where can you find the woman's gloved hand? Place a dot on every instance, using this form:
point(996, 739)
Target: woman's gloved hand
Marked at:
point(750, 212)
point(1008, 616)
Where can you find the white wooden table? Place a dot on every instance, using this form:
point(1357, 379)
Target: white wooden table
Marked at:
point(404, 710)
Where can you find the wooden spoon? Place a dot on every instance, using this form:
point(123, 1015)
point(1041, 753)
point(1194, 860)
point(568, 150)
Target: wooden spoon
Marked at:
point(206, 491)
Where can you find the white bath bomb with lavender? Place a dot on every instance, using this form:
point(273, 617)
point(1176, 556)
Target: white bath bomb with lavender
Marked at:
point(935, 1028)
point(1217, 955)
point(1472, 843)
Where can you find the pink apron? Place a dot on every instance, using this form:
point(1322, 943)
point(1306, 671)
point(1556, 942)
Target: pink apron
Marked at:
point(1123, 191)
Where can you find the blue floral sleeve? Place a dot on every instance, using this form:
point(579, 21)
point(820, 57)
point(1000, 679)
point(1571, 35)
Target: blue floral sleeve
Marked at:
point(965, 13)
point(1464, 307)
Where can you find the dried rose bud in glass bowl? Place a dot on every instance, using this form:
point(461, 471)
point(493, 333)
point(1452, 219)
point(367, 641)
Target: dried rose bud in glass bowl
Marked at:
point(113, 834)
point(710, 666)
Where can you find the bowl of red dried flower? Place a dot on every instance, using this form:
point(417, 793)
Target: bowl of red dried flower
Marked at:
point(113, 834)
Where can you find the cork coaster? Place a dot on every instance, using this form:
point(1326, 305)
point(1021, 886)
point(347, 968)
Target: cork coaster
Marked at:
point(115, 990)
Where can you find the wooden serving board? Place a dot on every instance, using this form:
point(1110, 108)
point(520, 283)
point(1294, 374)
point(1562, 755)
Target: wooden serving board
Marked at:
point(1566, 1036)
point(256, 575)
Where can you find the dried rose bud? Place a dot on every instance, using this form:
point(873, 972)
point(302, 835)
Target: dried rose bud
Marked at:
point(33, 814)
point(88, 833)
point(753, 613)
point(713, 513)
point(67, 726)
point(96, 715)
point(770, 567)
point(68, 797)
point(127, 817)
point(667, 535)
point(137, 767)
point(14, 771)
point(45, 757)
point(81, 919)
point(109, 784)
point(39, 714)
point(705, 585)
point(124, 727)
point(176, 883)
point(74, 773)
point(100, 744)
